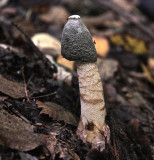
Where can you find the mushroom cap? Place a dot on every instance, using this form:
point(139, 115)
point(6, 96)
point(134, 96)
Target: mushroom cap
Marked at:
point(76, 41)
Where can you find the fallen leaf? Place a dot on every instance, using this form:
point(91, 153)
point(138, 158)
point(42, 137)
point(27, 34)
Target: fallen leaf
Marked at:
point(52, 17)
point(12, 89)
point(126, 5)
point(103, 20)
point(26, 25)
point(130, 43)
point(112, 95)
point(17, 134)
point(107, 68)
point(102, 46)
point(65, 62)
point(57, 112)
point(137, 99)
point(47, 44)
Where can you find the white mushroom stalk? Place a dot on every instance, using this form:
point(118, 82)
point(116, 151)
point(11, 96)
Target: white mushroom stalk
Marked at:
point(77, 45)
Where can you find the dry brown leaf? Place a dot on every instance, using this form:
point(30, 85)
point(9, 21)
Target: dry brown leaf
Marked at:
point(137, 99)
point(56, 14)
point(124, 4)
point(102, 46)
point(107, 68)
point(26, 25)
point(112, 95)
point(57, 112)
point(47, 44)
point(12, 89)
point(55, 147)
point(65, 62)
point(104, 20)
point(17, 134)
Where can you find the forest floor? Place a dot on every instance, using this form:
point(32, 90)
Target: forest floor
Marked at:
point(39, 92)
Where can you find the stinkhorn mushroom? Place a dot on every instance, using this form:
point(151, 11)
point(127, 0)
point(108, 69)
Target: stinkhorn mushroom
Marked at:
point(77, 45)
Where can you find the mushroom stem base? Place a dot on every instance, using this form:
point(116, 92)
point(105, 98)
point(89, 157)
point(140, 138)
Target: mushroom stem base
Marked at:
point(97, 136)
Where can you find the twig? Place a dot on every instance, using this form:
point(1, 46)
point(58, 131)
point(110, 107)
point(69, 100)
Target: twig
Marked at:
point(43, 58)
point(25, 84)
point(47, 63)
point(44, 95)
point(20, 115)
point(15, 112)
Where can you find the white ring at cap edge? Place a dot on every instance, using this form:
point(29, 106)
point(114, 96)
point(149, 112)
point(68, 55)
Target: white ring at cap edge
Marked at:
point(74, 17)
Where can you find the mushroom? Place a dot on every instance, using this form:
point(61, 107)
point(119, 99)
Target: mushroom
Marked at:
point(77, 45)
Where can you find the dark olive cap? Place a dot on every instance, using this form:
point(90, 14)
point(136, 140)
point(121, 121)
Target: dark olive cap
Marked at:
point(76, 42)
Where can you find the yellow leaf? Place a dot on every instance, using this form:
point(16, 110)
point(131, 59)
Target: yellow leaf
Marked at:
point(130, 43)
point(65, 62)
point(117, 40)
